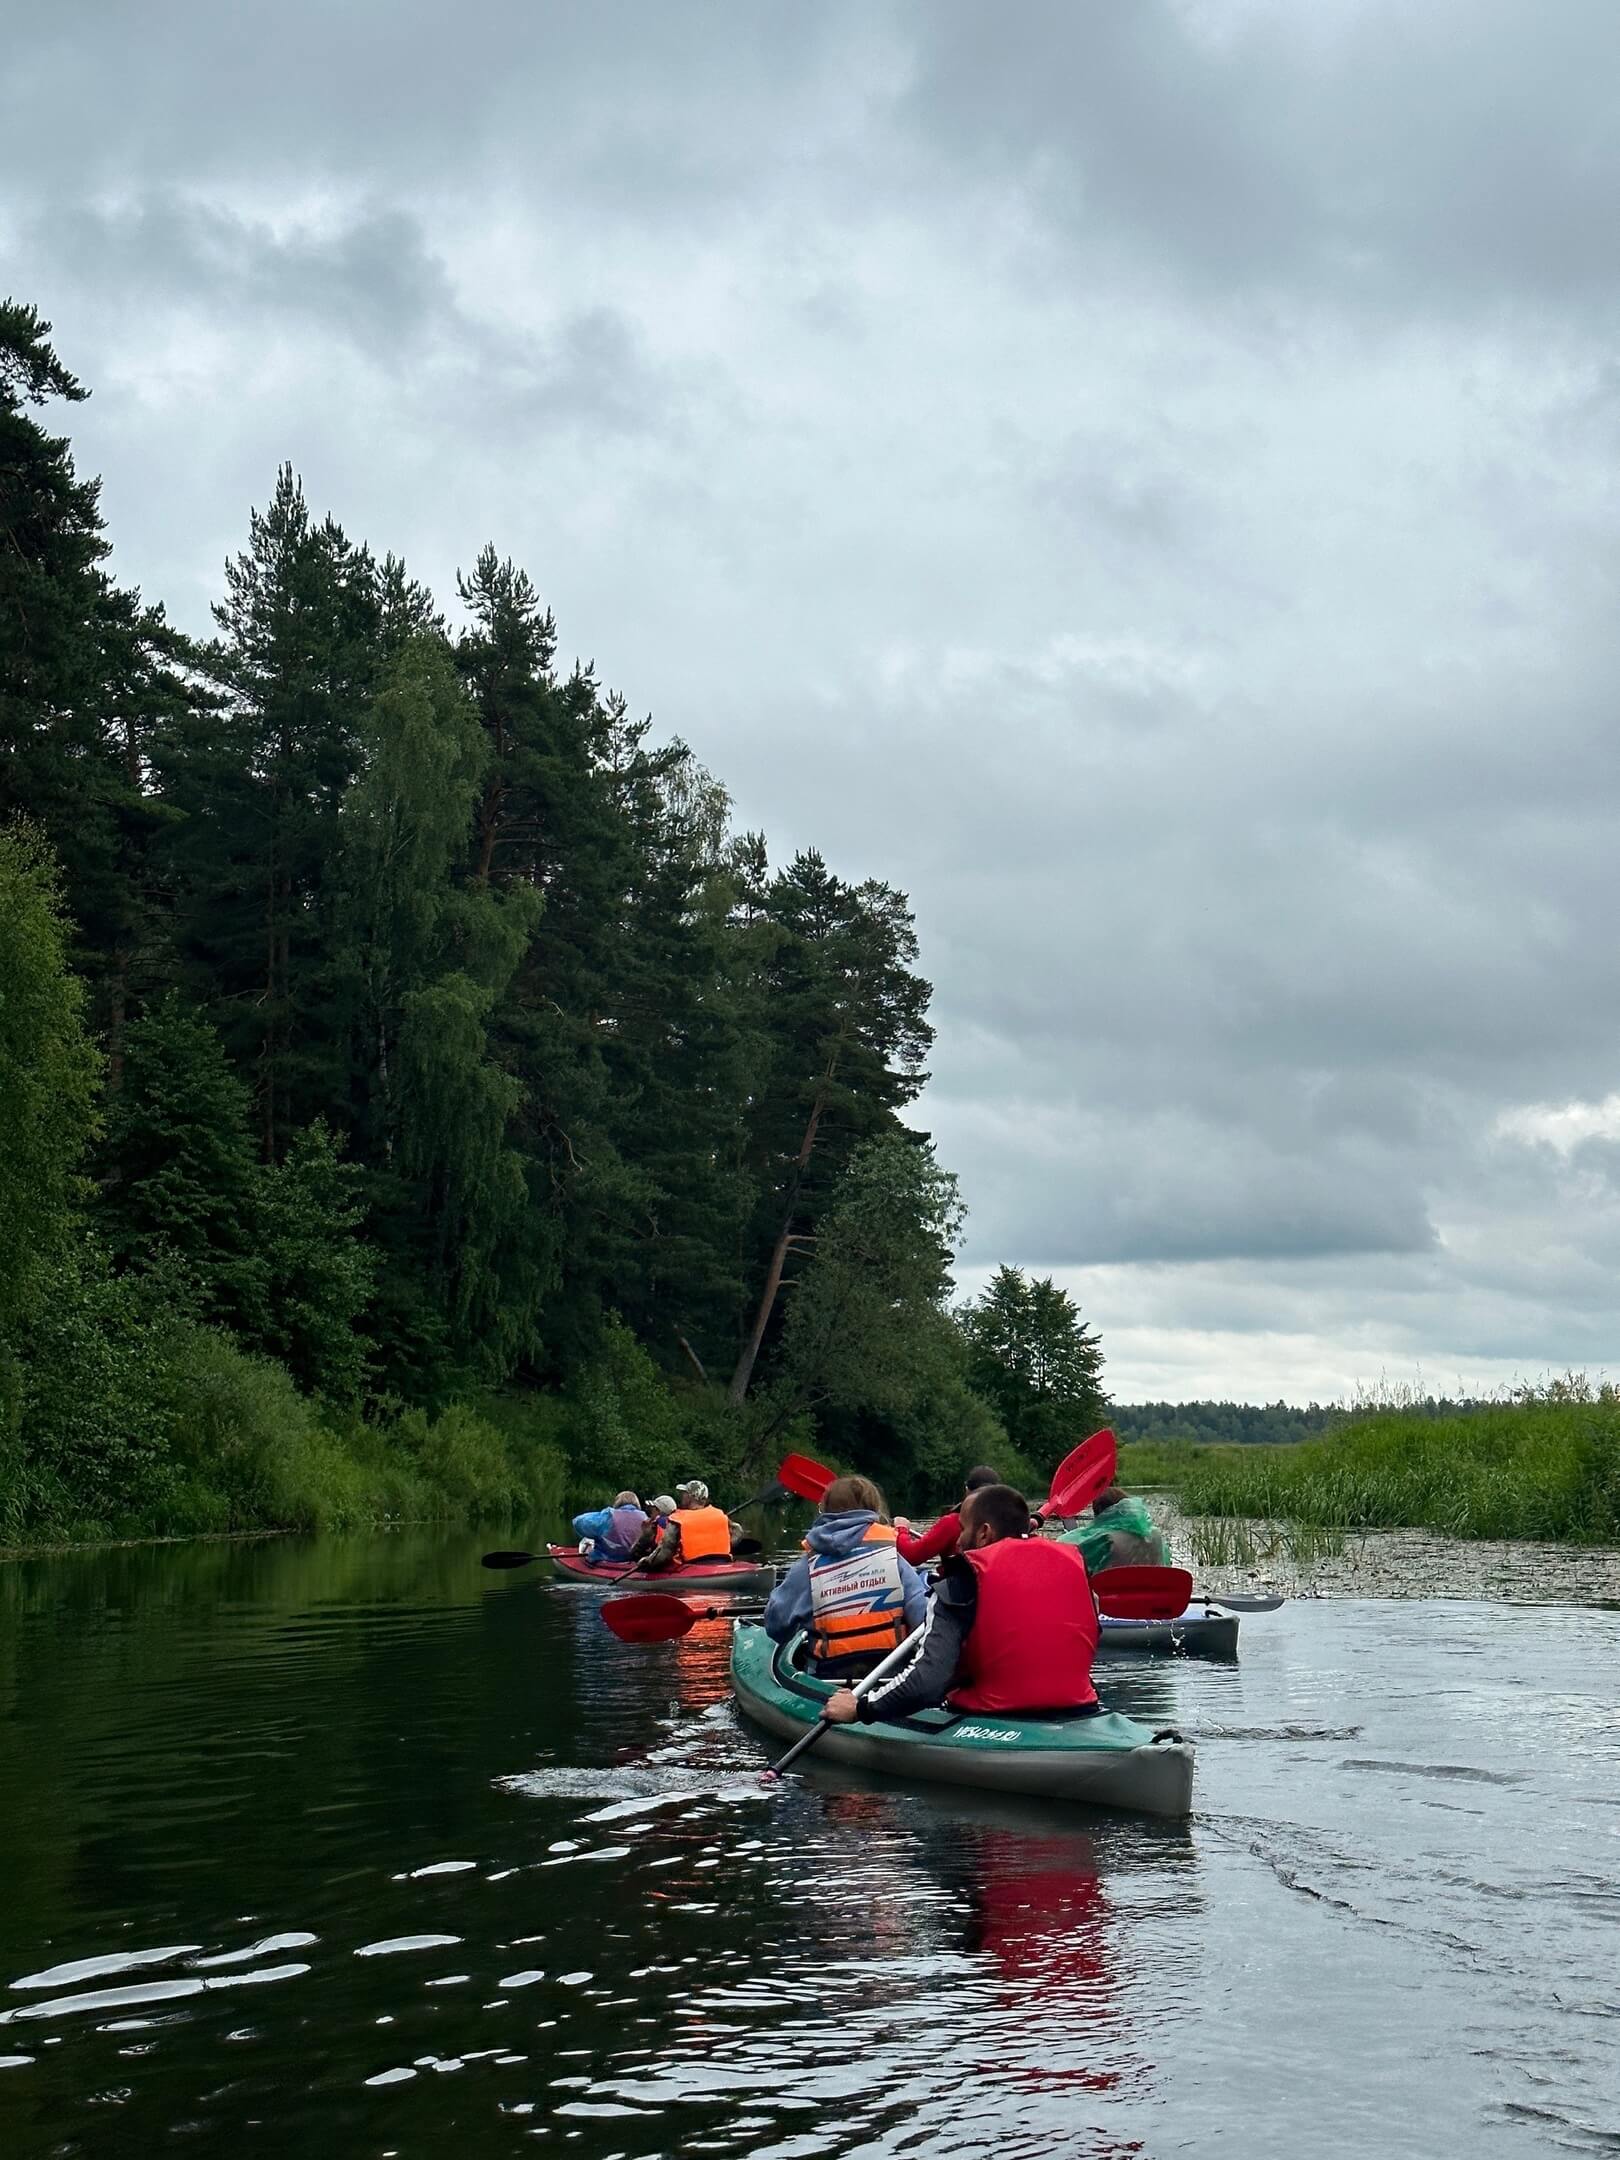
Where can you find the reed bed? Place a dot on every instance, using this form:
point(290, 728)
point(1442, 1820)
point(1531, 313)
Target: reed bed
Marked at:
point(1541, 1462)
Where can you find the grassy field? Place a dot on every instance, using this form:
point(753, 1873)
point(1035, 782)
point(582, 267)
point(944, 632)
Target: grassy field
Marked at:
point(1144, 1464)
point(1544, 1463)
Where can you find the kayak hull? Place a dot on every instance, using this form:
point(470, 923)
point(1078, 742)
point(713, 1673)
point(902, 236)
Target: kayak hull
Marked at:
point(709, 1576)
point(1209, 1632)
point(1107, 1761)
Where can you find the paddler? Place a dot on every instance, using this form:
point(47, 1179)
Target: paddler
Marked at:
point(936, 1543)
point(610, 1533)
point(659, 1509)
point(1121, 1533)
point(852, 1590)
point(694, 1531)
point(1011, 1627)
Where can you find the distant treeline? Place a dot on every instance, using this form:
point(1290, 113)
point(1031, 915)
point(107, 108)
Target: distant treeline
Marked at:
point(1223, 1424)
point(1234, 1424)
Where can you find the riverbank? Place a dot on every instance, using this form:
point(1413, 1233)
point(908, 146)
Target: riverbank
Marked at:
point(1543, 1465)
point(1397, 1563)
point(234, 1449)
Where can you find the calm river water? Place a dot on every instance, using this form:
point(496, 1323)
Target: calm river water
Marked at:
point(351, 1848)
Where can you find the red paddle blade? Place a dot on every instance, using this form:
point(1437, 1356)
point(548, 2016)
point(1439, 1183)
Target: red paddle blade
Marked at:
point(806, 1479)
point(1082, 1475)
point(1139, 1593)
point(649, 1619)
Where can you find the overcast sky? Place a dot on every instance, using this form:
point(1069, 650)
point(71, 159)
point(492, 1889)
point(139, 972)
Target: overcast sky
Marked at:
point(1142, 477)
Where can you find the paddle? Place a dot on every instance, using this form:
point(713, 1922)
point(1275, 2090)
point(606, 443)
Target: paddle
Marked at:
point(804, 1478)
point(654, 1618)
point(769, 1776)
point(742, 1548)
point(1163, 1593)
point(1082, 1474)
point(1076, 1481)
point(1143, 1593)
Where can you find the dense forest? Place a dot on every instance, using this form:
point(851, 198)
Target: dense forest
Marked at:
point(417, 1097)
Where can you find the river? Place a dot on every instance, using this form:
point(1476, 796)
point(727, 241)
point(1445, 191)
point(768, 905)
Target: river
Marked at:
point(349, 1847)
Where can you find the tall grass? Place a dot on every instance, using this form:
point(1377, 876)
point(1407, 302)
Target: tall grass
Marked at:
point(1237, 1542)
point(1144, 1464)
point(1542, 1462)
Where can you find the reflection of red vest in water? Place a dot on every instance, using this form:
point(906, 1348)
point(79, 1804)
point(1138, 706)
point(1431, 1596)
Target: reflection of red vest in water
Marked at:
point(1034, 1630)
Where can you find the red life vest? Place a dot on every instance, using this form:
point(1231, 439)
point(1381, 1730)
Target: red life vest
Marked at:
point(1034, 1630)
point(857, 1600)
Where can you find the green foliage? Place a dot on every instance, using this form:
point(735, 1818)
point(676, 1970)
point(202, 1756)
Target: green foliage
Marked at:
point(317, 1273)
point(1147, 1463)
point(179, 1174)
point(866, 1328)
point(266, 1249)
point(451, 1043)
point(1038, 1364)
point(48, 1074)
point(94, 1414)
point(1544, 1463)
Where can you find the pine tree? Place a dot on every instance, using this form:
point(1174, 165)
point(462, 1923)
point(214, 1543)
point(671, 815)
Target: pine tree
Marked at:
point(48, 1086)
point(317, 1272)
point(867, 1328)
point(420, 963)
point(844, 1020)
point(91, 680)
point(179, 1175)
point(262, 785)
point(1035, 1361)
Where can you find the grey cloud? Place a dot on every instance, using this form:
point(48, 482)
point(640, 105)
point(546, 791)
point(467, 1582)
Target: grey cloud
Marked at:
point(1140, 477)
point(371, 279)
point(1341, 153)
point(1054, 1182)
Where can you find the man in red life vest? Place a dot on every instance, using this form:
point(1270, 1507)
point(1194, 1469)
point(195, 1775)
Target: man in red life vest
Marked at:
point(939, 1542)
point(1011, 1627)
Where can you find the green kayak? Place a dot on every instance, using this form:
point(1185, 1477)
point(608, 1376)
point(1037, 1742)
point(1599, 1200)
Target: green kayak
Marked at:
point(1105, 1761)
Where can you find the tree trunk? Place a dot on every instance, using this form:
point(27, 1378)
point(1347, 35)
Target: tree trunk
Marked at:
point(738, 1390)
point(489, 829)
point(117, 1018)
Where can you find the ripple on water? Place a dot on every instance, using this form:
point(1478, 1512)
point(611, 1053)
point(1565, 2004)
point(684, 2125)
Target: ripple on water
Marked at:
point(102, 1968)
point(395, 1945)
point(1030, 1982)
point(151, 1991)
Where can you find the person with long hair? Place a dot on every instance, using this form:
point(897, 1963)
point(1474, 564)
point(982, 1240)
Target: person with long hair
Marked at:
point(852, 1593)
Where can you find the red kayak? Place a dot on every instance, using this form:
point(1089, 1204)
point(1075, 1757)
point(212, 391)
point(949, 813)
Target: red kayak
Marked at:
point(705, 1575)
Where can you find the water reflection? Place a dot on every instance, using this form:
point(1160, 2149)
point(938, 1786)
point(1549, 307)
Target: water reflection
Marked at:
point(362, 1850)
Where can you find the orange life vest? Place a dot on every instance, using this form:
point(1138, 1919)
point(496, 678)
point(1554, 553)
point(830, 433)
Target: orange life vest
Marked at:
point(857, 1600)
point(705, 1533)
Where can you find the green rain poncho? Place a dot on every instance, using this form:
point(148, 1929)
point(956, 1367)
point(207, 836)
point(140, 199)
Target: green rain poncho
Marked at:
point(1121, 1536)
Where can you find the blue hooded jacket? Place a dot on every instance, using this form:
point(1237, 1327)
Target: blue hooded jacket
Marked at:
point(614, 1531)
point(837, 1535)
